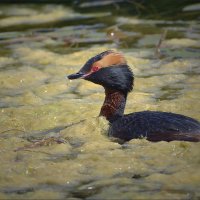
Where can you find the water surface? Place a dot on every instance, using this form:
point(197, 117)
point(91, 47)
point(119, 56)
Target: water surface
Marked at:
point(52, 142)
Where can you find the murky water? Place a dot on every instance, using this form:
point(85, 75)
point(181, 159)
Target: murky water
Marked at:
point(53, 145)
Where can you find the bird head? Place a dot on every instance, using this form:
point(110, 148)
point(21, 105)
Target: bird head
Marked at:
point(108, 69)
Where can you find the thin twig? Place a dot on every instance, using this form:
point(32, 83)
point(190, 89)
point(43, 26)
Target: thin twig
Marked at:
point(158, 46)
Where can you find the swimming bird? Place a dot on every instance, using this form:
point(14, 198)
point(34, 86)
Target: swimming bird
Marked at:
point(110, 69)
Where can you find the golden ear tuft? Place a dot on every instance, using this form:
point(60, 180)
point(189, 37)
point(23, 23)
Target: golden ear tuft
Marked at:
point(113, 58)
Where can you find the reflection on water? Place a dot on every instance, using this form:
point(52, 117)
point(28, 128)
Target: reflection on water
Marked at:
point(53, 145)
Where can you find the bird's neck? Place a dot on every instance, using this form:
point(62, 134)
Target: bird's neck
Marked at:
point(114, 105)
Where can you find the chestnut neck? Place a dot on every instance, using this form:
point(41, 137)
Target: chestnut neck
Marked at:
point(114, 105)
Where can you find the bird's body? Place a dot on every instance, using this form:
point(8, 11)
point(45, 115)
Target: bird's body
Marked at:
point(155, 126)
point(110, 70)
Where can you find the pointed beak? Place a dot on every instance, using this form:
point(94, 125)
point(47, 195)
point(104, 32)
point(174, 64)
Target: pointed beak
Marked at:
point(76, 75)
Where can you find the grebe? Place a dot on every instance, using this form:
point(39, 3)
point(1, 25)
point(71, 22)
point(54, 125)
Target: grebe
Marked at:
point(110, 70)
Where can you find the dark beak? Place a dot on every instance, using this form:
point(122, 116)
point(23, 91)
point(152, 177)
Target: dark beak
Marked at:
point(75, 76)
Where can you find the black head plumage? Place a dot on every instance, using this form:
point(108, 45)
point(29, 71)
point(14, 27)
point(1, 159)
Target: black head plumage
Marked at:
point(117, 76)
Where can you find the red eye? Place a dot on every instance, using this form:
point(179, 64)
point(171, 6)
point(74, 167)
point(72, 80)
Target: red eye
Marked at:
point(95, 68)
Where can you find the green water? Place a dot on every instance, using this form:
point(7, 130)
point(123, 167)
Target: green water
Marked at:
point(52, 143)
